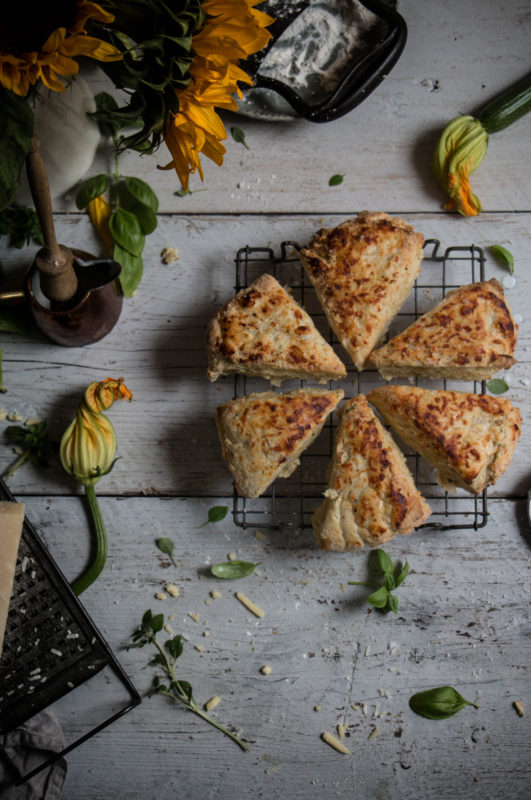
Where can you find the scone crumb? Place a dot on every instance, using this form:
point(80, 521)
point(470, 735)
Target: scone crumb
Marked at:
point(519, 706)
point(212, 703)
point(266, 669)
point(168, 628)
point(375, 732)
point(193, 616)
point(173, 590)
point(161, 596)
point(232, 556)
point(249, 605)
point(333, 742)
point(215, 594)
point(199, 648)
point(169, 255)
point(341, 728)
point(317, 708)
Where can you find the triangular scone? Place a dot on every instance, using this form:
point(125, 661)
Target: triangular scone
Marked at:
point(362, 272)
point(371, 495)
point(469, 335)
point(468, 438)
point(264, 332)
point(262, 435)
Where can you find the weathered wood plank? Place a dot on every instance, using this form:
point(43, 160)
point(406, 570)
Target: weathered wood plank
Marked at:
point(462, 619)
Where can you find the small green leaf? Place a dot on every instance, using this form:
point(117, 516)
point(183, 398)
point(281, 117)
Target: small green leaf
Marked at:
point(232, 570)
point(167, 547)
point(184, 688)
point(142, 192)
point(239, 136)
point(378, 598)
point(389, 582)
point(216, 514)
point(126, 231)
point(503, 257)
point(402, 575)
point(146, 619)
point(335, 180)
point(17, 133)
point(146, 217)
point(132, 269)
point(439, 703)
point(392, 603)
point(497, 386)
point(157, 623)
point(175, 646)
point(385, 562)
point(182, 193)
point(90, 189)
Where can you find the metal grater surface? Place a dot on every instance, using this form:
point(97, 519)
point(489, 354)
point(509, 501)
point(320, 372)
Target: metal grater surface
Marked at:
point(290, 502)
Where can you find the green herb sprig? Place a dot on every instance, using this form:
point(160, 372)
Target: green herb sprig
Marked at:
point(21, 224)
point(503, 256)
point(166, 657)
point(336, 180)
point(393, 577)
point(239, 136)
point(232, 570)
point(33, 442)
point(497, 386)
point(439, 703)
point(167, 547)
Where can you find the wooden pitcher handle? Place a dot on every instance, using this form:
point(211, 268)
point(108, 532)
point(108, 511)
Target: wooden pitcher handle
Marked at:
point(54, 261)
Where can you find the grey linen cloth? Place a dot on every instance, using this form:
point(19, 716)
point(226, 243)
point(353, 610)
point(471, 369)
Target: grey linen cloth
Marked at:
point(28, 746)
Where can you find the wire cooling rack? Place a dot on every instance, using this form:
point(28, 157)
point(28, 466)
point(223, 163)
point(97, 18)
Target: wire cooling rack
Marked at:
point(291, 502)
point(51, 647)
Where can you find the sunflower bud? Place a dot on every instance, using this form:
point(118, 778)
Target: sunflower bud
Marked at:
point(461, 149)
point(88, 445)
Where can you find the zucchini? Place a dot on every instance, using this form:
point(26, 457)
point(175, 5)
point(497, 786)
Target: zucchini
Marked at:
point(507, 107)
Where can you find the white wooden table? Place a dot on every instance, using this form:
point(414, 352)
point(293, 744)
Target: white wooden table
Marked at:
point(464, 610)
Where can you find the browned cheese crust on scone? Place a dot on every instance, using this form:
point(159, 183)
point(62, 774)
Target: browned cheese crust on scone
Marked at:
point(468, 438)
point(363, 271)
point(371, 495)
point(469, 335)
point(262, 435)
point(262, 331)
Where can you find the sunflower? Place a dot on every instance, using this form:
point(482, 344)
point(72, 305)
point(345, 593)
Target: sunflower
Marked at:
point(44, 44)
point(233, 30)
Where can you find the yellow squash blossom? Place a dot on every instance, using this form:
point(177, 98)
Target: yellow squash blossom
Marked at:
point(100, 213)
point(233, 30)
point(461, 149)
point(87, 452)
point(21, 68)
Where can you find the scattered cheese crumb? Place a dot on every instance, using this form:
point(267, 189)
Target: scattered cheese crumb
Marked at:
point(168, 628)
point(199, 647)
point(171, 616)
point(254, 609)
point(342, 587)
point(169, 254)
point(193, 616)
point(173, 590)
point(3, 413)
point(33, 421)
point(374, 734)
point(232, 556)
point(56, 652)
point(161, 596)
point(376, 711)
point(355, 707)
point(364, 709)
point(519, 706)
point(266, 669)
point(317, 708)
point(215, 594)
point(367, 650)
point(212, 703)
point(206, 633)
point(14, 416)
point(341, 728)
point(208, 601)
point(259, 535)
point(333, 742)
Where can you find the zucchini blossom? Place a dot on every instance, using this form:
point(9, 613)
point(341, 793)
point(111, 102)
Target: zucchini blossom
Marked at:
point(461, 149)
point(87, 452)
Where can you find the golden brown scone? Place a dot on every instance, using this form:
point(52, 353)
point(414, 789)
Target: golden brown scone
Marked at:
point(264, 332)
point(469, 335)
point(468, 438)
point(262, 435)
point(371, 495)
point(362, 271)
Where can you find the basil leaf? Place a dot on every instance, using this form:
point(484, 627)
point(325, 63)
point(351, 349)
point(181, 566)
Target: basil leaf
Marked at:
point(232, 570)
point(142, 192)
point(216, 514)
point(239, 136)
point(146, 218)
point(503, 257)
point(389, 582)
point(497, 386)
point(392, 603)
point(165, 545)
point(402, 575)
point(378, 598)
point(132, 268)
point(335, 180)
point(17, 132)
point(126, 231)
point(90, 189)
point(439, 703)
point(386, 564)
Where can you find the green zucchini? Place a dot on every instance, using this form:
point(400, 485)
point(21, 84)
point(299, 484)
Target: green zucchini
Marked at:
point(507, 107)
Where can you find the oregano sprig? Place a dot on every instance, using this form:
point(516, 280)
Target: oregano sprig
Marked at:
point(393, 577)
point(166, 657)
point(32, 444)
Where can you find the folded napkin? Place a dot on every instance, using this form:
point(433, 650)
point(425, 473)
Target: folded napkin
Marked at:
point(28, 746)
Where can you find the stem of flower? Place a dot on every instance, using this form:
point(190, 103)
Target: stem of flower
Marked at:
point(18, 463)
point(90, 574)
